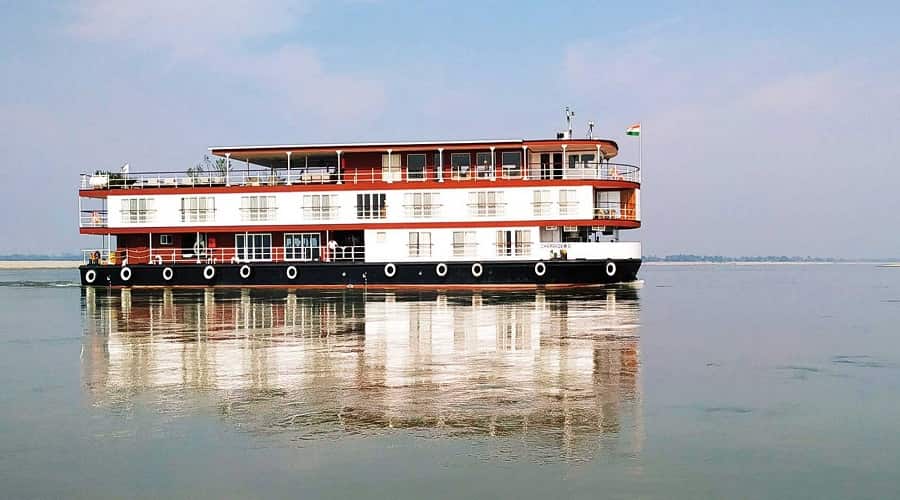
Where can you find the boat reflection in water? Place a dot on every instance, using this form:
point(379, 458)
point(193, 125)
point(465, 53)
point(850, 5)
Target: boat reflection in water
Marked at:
point(554, 374)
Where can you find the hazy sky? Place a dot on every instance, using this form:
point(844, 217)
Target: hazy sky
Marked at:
point(767, 129)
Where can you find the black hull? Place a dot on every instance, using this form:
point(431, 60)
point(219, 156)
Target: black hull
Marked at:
point(358, 274)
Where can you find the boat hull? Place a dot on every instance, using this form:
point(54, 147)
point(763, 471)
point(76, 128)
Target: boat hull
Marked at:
point(512, 274)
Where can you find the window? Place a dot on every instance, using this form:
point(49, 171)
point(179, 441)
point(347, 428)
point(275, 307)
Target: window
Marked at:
point(319, 206)
point(542, 203)
point(302, 246)
point(253, 246)
point(137, 210)
point(513, 243)
point(421, 204)
point(419, 244)
point(607, 205)
point(464, 244)
point(484, 164)
point(415, 167)
point(582, 161)
point(512, 163)
point(390, 167)
point(198, 209)
point(257, 208)
point(459, 165)
point(165, 240)
point(486, 203)
point(568, 202)
point(371, 206)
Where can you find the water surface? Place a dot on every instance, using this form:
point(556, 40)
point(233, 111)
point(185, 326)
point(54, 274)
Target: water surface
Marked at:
point(704, 382)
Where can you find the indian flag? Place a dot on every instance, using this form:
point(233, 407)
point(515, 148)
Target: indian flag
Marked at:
point(633, 130)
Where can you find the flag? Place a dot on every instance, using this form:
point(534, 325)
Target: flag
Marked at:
point(633, 130)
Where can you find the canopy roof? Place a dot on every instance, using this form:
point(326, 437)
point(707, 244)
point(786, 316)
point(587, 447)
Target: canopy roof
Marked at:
point(275, 156)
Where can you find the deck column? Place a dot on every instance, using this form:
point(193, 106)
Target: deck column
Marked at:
point(597, 164)
point(524, 162)
point(339, 167)
point(390, 167)
point(493, 165)
point(565, 162)
point(227, 169)
point(289, 168)
point(440, 166)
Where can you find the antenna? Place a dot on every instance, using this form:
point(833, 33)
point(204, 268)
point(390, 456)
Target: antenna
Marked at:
point(590, 130)
point(570, 116)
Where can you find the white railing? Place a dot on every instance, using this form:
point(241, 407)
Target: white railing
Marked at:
point(614, 211)
point(93, 218)
point(223, 255)
point(532, 172)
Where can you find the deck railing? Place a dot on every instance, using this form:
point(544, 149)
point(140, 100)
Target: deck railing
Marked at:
point(93, 218)
point(614, 211)
point(223, 255)
point(531, 172)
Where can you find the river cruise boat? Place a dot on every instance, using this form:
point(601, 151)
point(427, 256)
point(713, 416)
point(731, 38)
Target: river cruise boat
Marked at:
point(442, 214)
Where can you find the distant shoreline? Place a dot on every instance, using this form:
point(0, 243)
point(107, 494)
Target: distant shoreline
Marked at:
point(39, 264)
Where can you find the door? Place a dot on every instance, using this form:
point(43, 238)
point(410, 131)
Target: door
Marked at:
point(557, 165)
point(311, 246)
point(390, 168)
point(545, 166)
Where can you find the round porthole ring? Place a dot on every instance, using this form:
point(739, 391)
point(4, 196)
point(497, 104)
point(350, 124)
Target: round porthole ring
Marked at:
point(168, 273)
point(540, 268)
point(390, 270)
point(90, 276)
point(125, 273)
point(209, 272)
point(291, 272)
point(477, 269)
point(441, 269)
point(610, 269)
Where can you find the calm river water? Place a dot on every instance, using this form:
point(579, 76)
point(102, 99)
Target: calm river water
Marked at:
point(702, 382)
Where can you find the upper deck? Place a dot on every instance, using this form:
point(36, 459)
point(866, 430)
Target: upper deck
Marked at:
point(403, 165)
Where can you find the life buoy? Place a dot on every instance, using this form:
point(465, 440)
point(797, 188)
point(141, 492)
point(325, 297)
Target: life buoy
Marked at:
point(90, 276)
point(610, 269)
point(198, 246)
point(291, 272)
point(540, 269)
point(477, 269)
point(245, 271)
point(441, 269)
point(209, 272)
point(125, 273)
point(168, 273)
point(390, 270)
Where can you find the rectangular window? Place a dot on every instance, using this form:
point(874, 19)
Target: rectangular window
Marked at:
point(484, 164)
point(371, 206)
point(253, 246)
point(607, 205)
point(581, 161)
point(319, 206)
point(420, 244)
point(165, 239)
point(198, 209)
point(415, 167)
point(421, 204)
point(257, 208)
point(459, 165)
point(137, 210)
point(390, 167)
point(302, 246)
point(486, 203)
point(568, 202)
point(542, 203)
point(513, 243)
point(464, 244)
point(512, 164)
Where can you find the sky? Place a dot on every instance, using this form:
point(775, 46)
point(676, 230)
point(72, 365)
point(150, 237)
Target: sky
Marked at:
point(768, 128)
